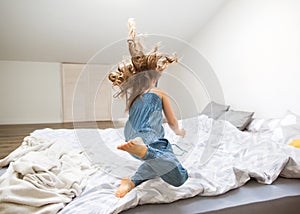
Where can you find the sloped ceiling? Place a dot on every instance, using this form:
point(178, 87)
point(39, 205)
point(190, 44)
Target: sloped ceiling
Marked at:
point(74, 30)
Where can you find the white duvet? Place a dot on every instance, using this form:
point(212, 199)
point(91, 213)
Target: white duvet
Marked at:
point(217, 156)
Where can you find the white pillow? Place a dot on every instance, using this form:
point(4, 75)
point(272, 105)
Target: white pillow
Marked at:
point(290, 125)
point(261, 125)
point(285, 129)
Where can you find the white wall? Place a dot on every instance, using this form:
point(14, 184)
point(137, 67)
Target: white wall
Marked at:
point(254, 48)
point(187, 92)
point(30, 92)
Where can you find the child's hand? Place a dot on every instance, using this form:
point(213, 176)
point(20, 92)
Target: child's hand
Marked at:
point(180, 132)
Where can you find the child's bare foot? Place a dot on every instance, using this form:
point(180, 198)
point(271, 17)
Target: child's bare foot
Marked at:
point(135, 147)
point(126, 186)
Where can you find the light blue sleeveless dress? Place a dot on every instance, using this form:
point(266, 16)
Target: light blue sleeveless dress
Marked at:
point(145, 121)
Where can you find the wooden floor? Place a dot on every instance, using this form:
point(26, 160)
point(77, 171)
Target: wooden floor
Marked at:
point(11, 136)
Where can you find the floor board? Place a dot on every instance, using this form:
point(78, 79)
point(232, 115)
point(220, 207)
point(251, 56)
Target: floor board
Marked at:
point(11, 136)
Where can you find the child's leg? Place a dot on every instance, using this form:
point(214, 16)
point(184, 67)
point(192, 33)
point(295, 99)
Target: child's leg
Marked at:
point(159, 161)
point(176, 177)
point(165, 163)
point(126, 186)
point(135, 147)
point(144, 172)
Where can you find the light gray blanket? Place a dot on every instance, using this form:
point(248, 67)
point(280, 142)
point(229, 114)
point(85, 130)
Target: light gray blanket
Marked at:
point(43, 176)
point(217, 156)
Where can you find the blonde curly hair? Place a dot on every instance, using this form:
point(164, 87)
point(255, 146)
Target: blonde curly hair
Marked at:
point(139, 61)
point(135, 77)
point(136, 85)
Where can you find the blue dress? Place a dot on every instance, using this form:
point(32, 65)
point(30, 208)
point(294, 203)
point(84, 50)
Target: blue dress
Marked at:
point(145, 121)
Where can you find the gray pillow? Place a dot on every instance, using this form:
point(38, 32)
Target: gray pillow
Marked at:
point(240, 119)
point(215, 110)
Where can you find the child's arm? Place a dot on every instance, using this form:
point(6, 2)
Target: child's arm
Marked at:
point(170, 116)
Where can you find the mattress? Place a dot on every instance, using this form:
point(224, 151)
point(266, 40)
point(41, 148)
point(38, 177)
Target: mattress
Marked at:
point(281, 197)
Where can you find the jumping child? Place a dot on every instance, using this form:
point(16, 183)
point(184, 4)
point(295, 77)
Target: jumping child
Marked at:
point(144, 133)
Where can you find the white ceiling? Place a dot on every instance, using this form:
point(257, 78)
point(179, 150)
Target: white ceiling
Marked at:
point(74, 30)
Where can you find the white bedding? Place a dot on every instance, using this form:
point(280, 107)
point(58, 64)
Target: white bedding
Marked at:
point(43, 176)
point(217, 156)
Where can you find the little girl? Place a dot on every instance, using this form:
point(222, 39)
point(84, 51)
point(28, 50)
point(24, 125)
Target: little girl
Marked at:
point(144, 133)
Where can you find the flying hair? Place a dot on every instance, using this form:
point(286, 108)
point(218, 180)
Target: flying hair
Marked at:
point(136, 75)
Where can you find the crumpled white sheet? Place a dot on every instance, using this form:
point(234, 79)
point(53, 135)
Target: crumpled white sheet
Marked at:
point(217, 156)
point(43, 176)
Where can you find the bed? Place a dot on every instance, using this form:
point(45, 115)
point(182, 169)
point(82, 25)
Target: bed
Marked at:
point(281, 197)
point(230, 171)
